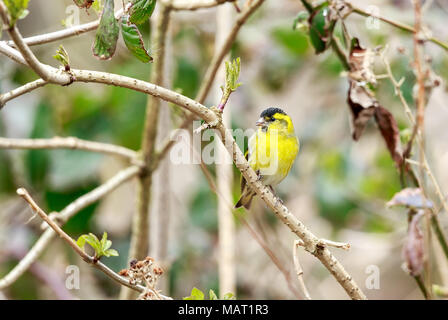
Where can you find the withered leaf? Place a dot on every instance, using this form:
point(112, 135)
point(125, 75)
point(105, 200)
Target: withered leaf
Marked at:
point(362, 104)
point(107, 33)
point(413, 250)
point(411, 198)
point(84, 3)
point(389, 130)
point(361, 62)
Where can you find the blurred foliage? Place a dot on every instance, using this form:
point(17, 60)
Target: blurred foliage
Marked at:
point(57, 200)
point(203, 208)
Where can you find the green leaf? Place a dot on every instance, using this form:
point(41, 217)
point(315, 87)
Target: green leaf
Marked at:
point(229, 296)
point(212, 295)
point(233, 69)
point(141, 10)
point(92, 240)
point(321, 27)
point(196, 294)
point(104, 241)
point(111, 252)
point(16, 9)
point(133, 40)
point(107, 33)
point(24, 14)
point(62, 56)
point(101, 247)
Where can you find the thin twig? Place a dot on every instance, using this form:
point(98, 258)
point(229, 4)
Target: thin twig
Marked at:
point(299, 270)
point(62, 217)
point(419, 127)
point(329, 243)
point(87, 258)
point(395, 24)
point(412, 120)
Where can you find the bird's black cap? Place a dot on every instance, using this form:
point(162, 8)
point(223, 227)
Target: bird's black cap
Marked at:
point(269, 112)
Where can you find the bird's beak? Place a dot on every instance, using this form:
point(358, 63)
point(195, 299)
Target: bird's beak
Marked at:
point(260, 122)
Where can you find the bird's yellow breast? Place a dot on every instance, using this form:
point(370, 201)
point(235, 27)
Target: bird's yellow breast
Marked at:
point(272, 152)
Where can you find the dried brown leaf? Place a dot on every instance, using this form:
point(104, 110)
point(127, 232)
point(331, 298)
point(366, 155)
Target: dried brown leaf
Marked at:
point(413, 251)
point(84, 3)
point(361, 63)
point(411, 198)
point(389, 130)
point(362, 105)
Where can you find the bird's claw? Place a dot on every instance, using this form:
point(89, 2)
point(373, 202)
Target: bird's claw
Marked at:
point(278, 201)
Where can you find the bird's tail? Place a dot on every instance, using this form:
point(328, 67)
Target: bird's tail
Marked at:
point(245, 200)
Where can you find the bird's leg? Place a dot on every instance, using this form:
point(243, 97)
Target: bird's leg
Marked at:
point(277, 199)
point(259, 175)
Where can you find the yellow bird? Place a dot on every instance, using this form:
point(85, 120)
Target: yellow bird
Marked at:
point(272, 151)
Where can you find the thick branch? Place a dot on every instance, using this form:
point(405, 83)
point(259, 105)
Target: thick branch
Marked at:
point(65, 33)
point(68, 143)
point(196, 4)
point(5, 97)
point(11, 53)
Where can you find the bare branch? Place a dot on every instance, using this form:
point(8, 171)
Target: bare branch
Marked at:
point(44, 71)
point(395, 24)
point(47, 237)
point(11, 53)
point(196, 4)
point(224, 170)
point(5, 97)
point(68, 143)
point(329, 243)
point(411, 118)
point(65, 33)
point(299, 270)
